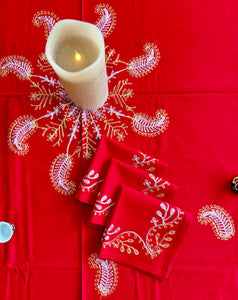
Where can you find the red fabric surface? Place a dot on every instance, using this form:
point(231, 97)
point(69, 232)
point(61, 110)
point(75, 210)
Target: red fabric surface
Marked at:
point(119, 174)
point(108, 148)
point(144, 233)
point(193, 85)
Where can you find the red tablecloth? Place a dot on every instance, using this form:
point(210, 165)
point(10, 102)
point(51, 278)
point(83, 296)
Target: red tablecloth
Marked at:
point(181, 107)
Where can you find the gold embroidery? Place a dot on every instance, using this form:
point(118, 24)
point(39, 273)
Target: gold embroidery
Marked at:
point(20, 130)
point(45, 18)
point(157, 237)
point(106, 279)
point(48, 93)
point(107, 21)
point(220, 220)
point(141, 66)
point(59, 174)
point(147, 126)
point(16, 64)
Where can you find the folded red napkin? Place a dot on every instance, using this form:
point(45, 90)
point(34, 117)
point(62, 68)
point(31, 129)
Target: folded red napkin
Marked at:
point(120, 173)
point(144, 233)
point(108, 148)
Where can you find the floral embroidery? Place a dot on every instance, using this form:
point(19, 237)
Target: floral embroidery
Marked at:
point(90, 182)
point(142, 160)
point(158, 237)
point(156, 184)
point(61, 120)
point(103, 205)
point(107, 274)
point(220, 220)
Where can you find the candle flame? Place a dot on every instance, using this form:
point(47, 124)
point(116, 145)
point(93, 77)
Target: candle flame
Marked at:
point(77, 56)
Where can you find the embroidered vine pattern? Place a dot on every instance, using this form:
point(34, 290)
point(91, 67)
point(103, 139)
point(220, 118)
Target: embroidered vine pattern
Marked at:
point(64, 124)
point(90, 181)
point(155, 241)
point(103, 205)
point(142, 160)
point(154, 185)
point(220, 220)
point(107, 274)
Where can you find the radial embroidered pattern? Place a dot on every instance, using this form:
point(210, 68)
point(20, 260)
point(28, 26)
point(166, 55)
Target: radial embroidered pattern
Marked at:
point(64, 124)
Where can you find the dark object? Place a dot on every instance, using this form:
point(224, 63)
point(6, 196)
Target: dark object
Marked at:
point(234, 184)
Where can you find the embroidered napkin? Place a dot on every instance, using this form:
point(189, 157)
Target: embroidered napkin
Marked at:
point(144, 233)
point(108, 148)
point(120, 173)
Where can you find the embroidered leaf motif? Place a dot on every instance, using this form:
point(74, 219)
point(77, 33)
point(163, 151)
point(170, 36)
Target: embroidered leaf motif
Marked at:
point(106, 279)
point(148, 126)
point(219, 219)
point(19, 131)
point(47, 19)
point(17, 64)
point(143, 65)
point(107, 20)
point(90, 181)
point(60, 169)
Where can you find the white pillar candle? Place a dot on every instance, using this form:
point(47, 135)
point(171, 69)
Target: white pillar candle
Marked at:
point(76, 52)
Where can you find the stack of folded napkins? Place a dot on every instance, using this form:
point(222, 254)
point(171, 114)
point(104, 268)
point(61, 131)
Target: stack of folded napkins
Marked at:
point(130, 202)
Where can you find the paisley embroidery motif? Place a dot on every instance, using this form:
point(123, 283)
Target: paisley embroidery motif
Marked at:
point(157, 239)
point(220, 220)
point(107, 275)
point(19, 132)
point(47, 19)
point(145, 125)
point(143, 65)
point(16, 64)
point(107, 21)
point(59, 174)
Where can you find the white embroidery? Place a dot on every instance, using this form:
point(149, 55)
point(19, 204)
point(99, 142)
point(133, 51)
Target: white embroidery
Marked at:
point(113, 119)
point(107, 274)
point(23, 68)
point(102, 205)
point(145, 125)
point(155, 184)
point(90, 180)
point(20, 131)
point(59, 174)
point(154, 243)
point(221, 221)
point(142, 160)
